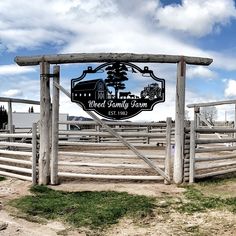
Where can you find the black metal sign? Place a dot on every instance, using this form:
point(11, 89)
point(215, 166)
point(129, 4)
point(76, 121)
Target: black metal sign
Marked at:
point(109, 96)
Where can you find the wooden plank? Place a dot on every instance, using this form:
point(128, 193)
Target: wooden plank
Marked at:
point(15, 168)
point(208, 166)
point(121, 139)
point(105, 165)
point(17, 176)
point(107, 155)
point(16, 161)
point(215, 130)
point(55, 126)
point(17, 153)
point(179, 122)
point(225, 157)
point(107, 134)
point(114, 144)
point(215, 149)
point(16, 135)
point(109, 57)
point(114, 177)
point(117, 123)
point(15, 144)
point(17, 100)
point(209, 104)
point(209, 141)
point(215, 173)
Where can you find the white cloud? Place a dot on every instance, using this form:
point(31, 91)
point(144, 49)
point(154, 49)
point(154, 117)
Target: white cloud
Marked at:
point(13, 69)
point(230, 90)
point(223, 61)
point(12, 93)
point(20, 87)
point(117, 26)
point(200, 72)
point(111, 26)
point(196, 17)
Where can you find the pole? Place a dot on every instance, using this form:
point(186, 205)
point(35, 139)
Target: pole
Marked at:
point(179, 122)
point(44, 152)
point(55, 126)
point(168, 150)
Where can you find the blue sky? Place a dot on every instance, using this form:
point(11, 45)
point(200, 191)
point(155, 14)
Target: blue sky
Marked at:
point(205, 28)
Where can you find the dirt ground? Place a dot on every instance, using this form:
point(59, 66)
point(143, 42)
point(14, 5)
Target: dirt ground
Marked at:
point(166, 223)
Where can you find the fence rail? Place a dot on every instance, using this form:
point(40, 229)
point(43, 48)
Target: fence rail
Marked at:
point(17, 163)
point(79, 164)
point(223, 159)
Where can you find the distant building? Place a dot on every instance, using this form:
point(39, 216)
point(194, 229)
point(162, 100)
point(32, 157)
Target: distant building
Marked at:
point(22, 121)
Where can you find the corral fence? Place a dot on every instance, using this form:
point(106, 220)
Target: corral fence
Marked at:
point(211, 148)
point(19, 154)
point(88, 149)
point(122, 150)
point(19, 151)
point(105, 157)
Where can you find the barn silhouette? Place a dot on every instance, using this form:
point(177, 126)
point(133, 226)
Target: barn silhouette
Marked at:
point(90, 89)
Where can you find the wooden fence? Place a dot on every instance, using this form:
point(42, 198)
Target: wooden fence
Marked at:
point(99, 162)
point(90, 133)
point(211, 156)
point(18, 155)
point(212, 148)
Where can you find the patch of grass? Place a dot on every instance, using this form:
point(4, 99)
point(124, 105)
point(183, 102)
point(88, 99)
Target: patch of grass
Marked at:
point(90, 209)
point(218, 181)
point(198, 202)
point(2, 178)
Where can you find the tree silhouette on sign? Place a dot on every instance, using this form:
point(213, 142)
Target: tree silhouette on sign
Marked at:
point(116, 75)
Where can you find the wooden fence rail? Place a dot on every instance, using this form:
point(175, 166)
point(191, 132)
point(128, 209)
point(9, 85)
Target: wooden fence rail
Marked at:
point(16, 163)
point(70, 162)
point(223, 161)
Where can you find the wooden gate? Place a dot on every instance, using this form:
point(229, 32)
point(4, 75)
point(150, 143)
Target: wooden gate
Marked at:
point(160, 165)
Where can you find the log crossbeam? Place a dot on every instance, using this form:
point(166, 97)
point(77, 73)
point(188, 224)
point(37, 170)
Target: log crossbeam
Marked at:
point(109, 57)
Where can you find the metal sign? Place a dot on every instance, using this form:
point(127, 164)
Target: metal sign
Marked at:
point(110, 97)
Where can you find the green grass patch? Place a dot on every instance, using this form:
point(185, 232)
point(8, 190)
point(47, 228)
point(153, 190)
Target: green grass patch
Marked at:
point(230, 178)
point(198, 202)
point(90, 209)
point(2, 178)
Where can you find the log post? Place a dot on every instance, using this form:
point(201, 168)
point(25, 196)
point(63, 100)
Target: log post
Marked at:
point(179, 122)
point(34, 153)
point(44, 156)
point(10, 124)
point(168, 150)
point(97, 128)
point(55, 126)
point(196, 119)
point(192, 152)
point(147, 138)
